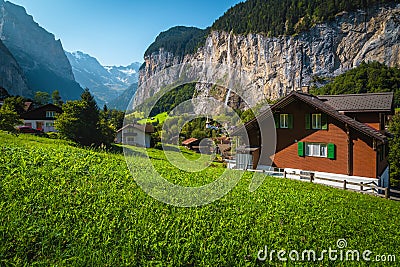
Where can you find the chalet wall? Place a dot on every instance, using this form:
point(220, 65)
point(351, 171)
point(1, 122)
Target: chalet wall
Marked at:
point(363, 158)
point(369, 118)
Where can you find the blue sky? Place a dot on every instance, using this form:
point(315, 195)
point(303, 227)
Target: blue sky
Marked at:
point(118, 32)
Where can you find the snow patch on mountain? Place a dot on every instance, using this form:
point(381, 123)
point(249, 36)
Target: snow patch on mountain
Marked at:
point(105, 82)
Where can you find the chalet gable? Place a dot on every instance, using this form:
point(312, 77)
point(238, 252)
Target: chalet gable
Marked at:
point(46, 112)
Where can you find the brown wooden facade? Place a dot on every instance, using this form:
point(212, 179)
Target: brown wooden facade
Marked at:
point(351, 145)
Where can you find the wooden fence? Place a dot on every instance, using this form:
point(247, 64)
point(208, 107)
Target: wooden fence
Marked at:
point(364, 187)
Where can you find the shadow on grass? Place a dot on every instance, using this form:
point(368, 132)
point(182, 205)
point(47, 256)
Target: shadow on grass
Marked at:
point(171, 148)
point(135, 153)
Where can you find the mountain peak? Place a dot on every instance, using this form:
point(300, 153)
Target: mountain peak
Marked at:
point(105, 82)
point(79, 54)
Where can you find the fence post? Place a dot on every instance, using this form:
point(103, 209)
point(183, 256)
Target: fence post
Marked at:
point(344, 184)
point(311, 177)
point(361, 186)
point(284, 174)
point(387, 193)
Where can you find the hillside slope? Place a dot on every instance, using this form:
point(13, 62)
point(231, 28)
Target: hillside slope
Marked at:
point(275, 18)
point(62, 204)
point(121, 102)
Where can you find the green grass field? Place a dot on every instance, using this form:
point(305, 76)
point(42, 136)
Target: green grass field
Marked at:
point(160, 117)
point(64, 205)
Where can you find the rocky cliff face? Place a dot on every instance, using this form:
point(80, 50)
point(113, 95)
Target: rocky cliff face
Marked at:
point(11, 76)
point(278, 65)
point(40, 56)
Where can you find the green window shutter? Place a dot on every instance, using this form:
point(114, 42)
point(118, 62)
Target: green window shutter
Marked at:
point(324, 122)
point(276, 118)
point(331, 151)
point(290, 121)
point(308, 121)
point(300, 149)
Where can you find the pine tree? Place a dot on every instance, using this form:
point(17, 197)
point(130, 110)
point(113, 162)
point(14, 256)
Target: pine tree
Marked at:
point(3, 93)
point(55, 96)
point(41, 98)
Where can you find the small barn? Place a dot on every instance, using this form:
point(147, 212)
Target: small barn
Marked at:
point(135, 135)
point(190, 143)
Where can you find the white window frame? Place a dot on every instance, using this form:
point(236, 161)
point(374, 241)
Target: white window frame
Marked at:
point(284, 121)
point(50, 114)
point(49, 124)
point(316, 121)
point(316, 150)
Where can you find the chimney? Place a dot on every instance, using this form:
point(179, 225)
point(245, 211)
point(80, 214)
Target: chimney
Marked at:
point(305, 89)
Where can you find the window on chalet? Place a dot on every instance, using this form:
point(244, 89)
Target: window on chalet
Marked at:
point(50, 114)
point(316, 121)
point(316, 150)
point(49, 124)
point(283, 121)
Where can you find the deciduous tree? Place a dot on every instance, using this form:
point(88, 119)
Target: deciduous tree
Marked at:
point(81, 122)
point(9, 118)
point(15, 103)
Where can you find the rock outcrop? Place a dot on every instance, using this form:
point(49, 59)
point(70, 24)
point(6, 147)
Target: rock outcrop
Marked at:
point(280, 64)
point(11, 75)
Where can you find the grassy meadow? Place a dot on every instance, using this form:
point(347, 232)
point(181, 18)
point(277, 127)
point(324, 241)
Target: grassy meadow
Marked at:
point(65, 205)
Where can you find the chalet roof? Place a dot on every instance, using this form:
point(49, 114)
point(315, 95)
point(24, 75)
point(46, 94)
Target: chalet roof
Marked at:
point(40, 112)
point(147, 128)
point(189, 141)
point(322, 106)
point(371, 102)
point(28, 106)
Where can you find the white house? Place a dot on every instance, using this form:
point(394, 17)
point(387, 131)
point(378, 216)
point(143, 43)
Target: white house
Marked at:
point(41, 118)
point(135, 134)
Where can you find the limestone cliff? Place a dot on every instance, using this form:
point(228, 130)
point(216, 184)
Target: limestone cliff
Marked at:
point(280, 64)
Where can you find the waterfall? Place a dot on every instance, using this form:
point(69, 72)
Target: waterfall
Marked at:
point(228, 59)
point(227, 96)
